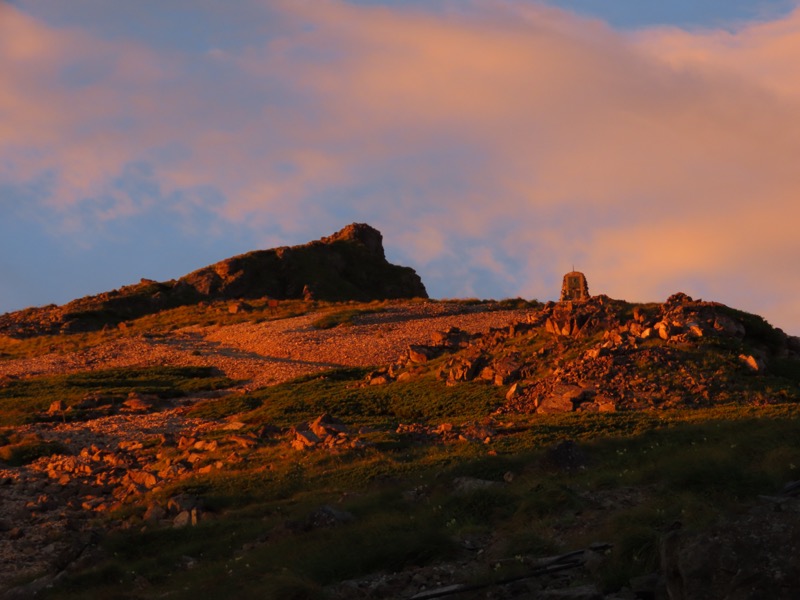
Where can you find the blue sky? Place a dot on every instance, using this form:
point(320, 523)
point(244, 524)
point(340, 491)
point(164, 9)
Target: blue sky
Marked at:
point(495, 143)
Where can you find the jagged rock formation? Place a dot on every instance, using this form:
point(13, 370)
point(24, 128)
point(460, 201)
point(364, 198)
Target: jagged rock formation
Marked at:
point(608, 355)
point(348, 265)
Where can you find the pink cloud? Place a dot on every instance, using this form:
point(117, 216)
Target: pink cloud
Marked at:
point(493, 132)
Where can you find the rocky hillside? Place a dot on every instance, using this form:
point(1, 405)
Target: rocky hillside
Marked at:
point(348, 265)
point(609, 355)
point(596, 449)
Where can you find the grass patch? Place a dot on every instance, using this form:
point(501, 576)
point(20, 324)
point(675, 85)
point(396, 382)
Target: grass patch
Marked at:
point(16, 450)
point(344, 317)
point(342, 393)
point(22, 400)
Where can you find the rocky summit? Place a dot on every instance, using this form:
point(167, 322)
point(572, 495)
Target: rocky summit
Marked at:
point(348, 265)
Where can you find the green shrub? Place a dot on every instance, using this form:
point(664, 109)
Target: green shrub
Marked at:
point(341, 318)
point(219, 408)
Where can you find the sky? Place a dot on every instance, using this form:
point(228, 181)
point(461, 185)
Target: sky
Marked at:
point(496, 144)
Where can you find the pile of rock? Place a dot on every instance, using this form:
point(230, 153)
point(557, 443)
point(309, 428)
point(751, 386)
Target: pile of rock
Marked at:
point(608, 375)
point(96, 405)
point(326, 432)
point(448, 432)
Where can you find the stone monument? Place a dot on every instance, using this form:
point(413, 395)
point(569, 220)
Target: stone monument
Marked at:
point(574, 288)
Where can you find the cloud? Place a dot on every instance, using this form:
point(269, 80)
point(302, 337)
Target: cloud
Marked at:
point(494, 143)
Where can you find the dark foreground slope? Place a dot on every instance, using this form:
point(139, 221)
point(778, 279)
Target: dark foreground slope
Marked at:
point(348, 265)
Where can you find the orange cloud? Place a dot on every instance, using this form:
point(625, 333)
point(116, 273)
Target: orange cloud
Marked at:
point(517, 136)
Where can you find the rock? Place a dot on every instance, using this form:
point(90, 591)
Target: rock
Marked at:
point(564, 398)
point(183, 519)
point(140, 402)
point(239, 307)
point(756, 365)
point(419, 354)
point(348, 265)
point(304, 440)
point(183, 503)
point(467, 485)
point(694, 329)
point(512, 391)
point(582, 592)
point(380, 380)
point(565, 456)
point(326, 425)
point(154, 513)
point(725, 325)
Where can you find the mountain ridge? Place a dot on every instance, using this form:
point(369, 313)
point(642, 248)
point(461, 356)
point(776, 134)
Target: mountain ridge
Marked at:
point(347, 265)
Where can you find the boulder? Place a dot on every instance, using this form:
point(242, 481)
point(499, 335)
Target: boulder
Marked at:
point(728, 326)
point(555, 404)
point(564, 398)
point(420, 354)
point(326, 425)
point(304, 439)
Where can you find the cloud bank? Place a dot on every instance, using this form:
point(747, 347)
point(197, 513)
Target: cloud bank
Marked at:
point(495, 144)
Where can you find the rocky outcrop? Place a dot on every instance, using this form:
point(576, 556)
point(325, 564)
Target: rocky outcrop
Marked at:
point(348, 265)
point(604, 355)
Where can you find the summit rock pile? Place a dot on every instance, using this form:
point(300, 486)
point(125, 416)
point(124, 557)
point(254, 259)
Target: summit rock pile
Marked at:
point(608, 355)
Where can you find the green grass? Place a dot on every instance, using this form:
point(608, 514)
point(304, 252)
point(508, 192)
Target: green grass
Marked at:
point(201, 315)
point(207, 314)
point(21, 400)
point(692, 466)
point(344, 317)
point(343, 393)
point(16, 449)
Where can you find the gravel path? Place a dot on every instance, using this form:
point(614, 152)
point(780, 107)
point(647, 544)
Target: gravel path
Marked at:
point(259, 354)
